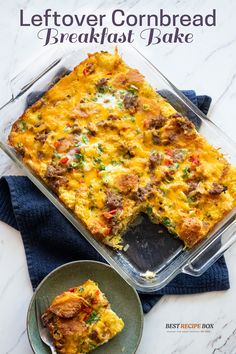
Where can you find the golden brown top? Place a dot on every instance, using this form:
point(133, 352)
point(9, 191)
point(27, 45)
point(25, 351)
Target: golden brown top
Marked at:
point(110, 146)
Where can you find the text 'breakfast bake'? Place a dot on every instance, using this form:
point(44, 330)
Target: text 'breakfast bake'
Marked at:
point(80, 319)
point(110, 147)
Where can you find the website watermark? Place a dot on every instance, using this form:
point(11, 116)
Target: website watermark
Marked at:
point(189, 327)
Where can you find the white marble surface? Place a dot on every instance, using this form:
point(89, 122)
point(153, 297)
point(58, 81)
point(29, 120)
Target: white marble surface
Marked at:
point(208, 65)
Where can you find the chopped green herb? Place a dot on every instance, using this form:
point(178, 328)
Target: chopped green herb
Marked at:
point(169, 178)
point(81, 290)
point(94, 99)
point(79, 157)
point(20, 148)
point(94, 317)
point(186, 172)
point(174, 166)
point(66, 129)
point(146, 107)
point(133, 89)
point(115, 163)
point(19, 145)
point(57, 155)
point(85, 139)
point(103, 89)
point(138, 131)
point(131, 118)
point(97, 160)
point(101, 167)
point(100, 148)
point(191, 199)
point(75, 164)
point(22, 126)
point(120, 105)
point(183, 152)
point(166, 221)
point(149, 210)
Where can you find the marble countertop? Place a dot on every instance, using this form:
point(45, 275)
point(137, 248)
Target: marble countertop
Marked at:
point(208, 66)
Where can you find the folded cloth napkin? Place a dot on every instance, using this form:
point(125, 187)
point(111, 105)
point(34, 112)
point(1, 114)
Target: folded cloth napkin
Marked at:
point(50, 239)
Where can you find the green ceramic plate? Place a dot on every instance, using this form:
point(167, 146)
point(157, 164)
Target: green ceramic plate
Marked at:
point(123, 298)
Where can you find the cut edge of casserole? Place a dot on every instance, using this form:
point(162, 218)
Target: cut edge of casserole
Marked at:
point(81, 319)
point(110, 147)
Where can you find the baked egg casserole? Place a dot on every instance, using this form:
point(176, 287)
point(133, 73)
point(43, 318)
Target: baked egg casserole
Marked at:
point(109, 146)
point(80, 319)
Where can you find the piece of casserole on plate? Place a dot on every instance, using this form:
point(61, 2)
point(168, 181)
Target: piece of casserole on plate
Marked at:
point(80, 319)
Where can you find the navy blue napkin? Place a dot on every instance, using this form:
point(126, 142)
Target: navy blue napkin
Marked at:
point(50, 240)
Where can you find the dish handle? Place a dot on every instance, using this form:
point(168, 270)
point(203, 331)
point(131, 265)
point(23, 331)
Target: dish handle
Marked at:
point(34, 72)
point(200, 263)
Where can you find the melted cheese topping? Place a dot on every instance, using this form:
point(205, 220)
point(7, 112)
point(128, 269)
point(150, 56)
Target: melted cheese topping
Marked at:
point(110, 147)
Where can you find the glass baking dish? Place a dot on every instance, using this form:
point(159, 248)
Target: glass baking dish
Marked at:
point(152, 257)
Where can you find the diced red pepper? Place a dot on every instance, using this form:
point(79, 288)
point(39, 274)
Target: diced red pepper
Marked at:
point(64, 160)
point(57, 144)
point(88, 310)
point(168, 162)
point(169, 152)
point(145, 123)
point(85, 72)
point(71, 290)
point(109, 214)
point(194, 159)
point(89, 69)
point(95, 301)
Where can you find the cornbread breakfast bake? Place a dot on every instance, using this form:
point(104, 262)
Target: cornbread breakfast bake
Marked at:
point(111, 147)
point(80, 319)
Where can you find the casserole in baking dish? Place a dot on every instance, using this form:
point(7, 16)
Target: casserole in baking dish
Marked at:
point(110, 147)
point(147, 246)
